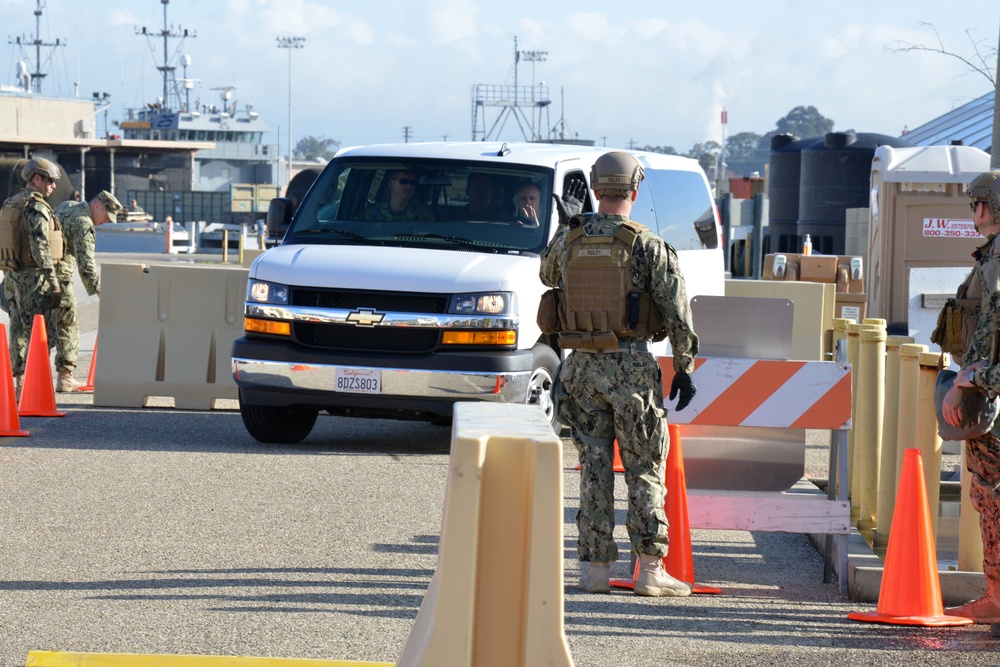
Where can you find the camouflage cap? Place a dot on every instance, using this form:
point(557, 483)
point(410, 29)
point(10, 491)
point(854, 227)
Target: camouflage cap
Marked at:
point(113, 206)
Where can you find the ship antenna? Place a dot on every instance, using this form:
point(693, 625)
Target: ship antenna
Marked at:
point(167, 69)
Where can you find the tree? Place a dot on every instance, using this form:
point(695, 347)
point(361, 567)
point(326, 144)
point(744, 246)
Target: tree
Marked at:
point(706, 153)
point(978, 62)
point(310, 148)
point(666, 150)
point(804, 122)
point(745, 154)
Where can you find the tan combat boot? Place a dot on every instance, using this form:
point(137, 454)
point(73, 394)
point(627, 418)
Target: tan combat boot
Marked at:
point(66, 382)
point(655, 582)
point(985, 610)
point(596, 578)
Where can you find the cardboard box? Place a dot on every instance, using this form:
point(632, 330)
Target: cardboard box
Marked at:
point(849, 306)
point(818, 268)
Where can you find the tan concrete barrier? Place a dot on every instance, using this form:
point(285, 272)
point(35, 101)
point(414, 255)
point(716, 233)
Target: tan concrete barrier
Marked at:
point(167, 331)
point(813, 314)
point(870, 402)
point(496, 598)
point(890, 429)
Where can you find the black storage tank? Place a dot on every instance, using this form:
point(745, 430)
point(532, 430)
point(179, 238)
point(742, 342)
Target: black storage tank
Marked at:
point(783, 192)
point(835, 177)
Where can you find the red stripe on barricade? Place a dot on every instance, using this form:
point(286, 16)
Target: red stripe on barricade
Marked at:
point(748, 392)
point(832, 411)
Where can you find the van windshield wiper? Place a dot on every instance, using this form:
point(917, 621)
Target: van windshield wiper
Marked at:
point(354, 236)
point(455, 240)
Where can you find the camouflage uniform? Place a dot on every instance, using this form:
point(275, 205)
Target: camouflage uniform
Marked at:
point(413, 211)
point(30, 287)
point(78, 239)
point(604, 395)
point(983, 454)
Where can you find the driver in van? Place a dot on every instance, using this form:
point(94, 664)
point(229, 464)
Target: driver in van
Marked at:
point(402, 205)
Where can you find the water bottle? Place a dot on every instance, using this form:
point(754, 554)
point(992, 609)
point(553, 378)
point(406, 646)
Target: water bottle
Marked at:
point(807, 245)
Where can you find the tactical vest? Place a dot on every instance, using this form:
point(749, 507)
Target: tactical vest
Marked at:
point(600, 305)
point(15, 247)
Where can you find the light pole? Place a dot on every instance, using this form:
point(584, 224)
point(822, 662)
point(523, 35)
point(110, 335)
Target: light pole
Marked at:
point(290, 43)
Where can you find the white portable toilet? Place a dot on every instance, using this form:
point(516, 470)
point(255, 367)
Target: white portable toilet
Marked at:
point(920, 236)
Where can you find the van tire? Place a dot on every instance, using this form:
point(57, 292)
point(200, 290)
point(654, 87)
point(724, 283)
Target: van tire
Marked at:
point(544, 362)
point(274, 425)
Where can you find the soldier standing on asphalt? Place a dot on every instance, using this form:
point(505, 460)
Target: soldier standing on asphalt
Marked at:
point(78, 220)
point(610, 386)
point(31, 245)
point(981, 368)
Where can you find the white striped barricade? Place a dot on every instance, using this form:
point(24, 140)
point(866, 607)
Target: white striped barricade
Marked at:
point(776, 394)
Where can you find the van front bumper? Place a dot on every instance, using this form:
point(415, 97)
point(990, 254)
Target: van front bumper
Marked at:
point(283, 374)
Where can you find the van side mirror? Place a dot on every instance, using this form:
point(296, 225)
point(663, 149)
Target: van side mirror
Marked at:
point(279, 216)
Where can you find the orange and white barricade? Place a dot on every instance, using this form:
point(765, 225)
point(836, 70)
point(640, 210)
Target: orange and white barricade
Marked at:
point(776, 394)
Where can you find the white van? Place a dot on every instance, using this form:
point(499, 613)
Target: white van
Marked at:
point(367, 313)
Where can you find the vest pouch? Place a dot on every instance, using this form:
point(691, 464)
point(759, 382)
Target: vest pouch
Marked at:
point(56, 246)
point(588, 340)
point(551, 312)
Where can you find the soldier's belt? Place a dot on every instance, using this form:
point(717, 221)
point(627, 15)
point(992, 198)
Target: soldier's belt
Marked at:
point(630, 345)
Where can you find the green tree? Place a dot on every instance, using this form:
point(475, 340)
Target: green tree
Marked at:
point(804, 122)
point(310, 148)
point(706, 153)
point(745, 155)
point(666, 150)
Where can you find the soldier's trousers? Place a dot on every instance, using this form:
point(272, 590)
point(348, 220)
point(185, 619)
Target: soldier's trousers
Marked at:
point(67, 328)
point(25, 293)
point(983, 461)
point(604, 396)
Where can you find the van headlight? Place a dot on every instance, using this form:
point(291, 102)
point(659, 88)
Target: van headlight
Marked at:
point(260, 291)
point(489, 303)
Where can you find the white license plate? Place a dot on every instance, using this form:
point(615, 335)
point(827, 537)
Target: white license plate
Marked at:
point(359, 381)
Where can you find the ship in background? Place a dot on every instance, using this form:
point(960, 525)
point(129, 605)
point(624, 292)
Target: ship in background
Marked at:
point(240, 154)
point(206, 163)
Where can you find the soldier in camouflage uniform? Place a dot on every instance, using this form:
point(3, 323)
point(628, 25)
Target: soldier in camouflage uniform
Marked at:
point(610, 387)
point(402, 205)
point(78, 220)
point(31, 248)
point(981, 368)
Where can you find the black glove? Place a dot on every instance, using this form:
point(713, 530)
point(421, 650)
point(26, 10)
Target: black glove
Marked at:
point(682, 384)
point(51, 300)
point(572, 200)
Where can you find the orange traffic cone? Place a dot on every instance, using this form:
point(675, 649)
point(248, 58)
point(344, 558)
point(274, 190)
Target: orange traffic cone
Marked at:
point(911, 589)
point(90, 375)
point(38, 396)
point(10, 425)
point(679, 561)
point(616, 463)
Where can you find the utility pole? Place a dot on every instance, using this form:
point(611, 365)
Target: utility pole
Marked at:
point(407, 134)
point(290, 43)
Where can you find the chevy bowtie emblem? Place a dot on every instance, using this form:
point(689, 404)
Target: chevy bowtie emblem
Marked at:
point(365, 317)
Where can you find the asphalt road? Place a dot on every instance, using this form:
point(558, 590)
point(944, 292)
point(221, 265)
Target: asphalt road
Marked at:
point(158, 530)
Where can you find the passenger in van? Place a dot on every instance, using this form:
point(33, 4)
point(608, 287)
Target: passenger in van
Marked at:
point(482, 199)
point(402, 186)
point(528, 201)
point(610, 386)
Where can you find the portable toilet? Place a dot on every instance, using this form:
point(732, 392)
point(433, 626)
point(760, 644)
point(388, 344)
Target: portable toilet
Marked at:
point(921, 236)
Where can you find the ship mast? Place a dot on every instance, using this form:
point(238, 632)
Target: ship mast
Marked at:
point(171, 96)
point(38, 74)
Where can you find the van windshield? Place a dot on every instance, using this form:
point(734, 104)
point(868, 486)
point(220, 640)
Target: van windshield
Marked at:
point(427, 203)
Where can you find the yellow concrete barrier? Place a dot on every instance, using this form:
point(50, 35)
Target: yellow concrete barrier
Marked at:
point(970, 537)
point(868, 427)
point(496, 598)
point(168, 331)
point(67, 659)
point(928, 440)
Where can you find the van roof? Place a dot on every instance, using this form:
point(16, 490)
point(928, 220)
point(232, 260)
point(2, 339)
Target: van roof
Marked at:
point(536, 154)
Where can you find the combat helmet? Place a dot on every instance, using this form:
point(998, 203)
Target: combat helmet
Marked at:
point(987, 187)
point(616, 172)
point(39, 165)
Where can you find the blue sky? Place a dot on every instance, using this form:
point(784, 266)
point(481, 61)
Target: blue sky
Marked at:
point(651, 72)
